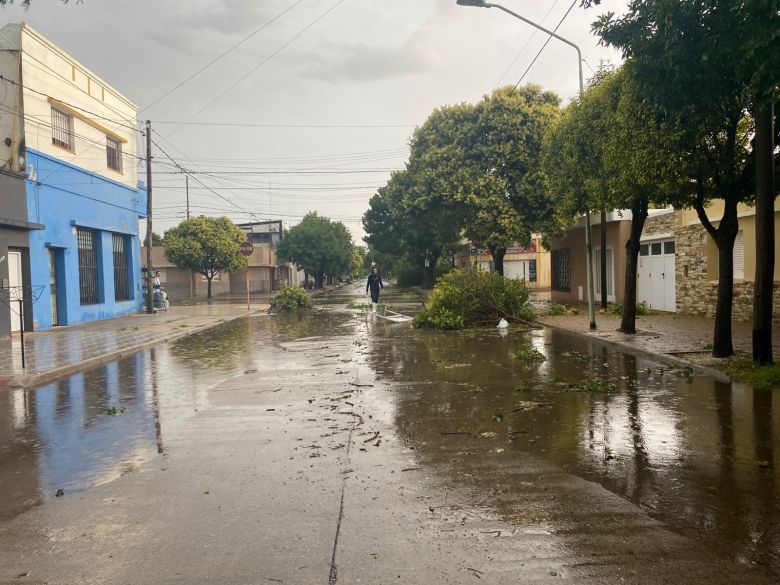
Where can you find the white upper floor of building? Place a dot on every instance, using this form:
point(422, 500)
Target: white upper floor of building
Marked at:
point(55, 105)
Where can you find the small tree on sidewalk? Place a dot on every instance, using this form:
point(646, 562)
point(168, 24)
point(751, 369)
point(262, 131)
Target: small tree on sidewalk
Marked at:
point(608, 152)
point(207, 246)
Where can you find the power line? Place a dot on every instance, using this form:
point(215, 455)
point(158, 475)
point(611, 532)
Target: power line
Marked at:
point(527, 42)
point(294, 126)
point(224, 54)
point(549, 38)
point(278, 172)
point(75, 107)
point(261, 64)
point(44, 68)
point(200, 182)
point(34, 119)
point(305, 158)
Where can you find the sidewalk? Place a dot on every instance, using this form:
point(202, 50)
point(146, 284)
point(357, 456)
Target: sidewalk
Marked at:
point(63, 350)
point(680, 337)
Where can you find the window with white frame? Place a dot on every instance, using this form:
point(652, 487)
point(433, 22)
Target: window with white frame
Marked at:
point(62, 129)
point(114, 154)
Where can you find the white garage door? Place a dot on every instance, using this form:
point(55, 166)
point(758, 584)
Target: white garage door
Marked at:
point(656, 275)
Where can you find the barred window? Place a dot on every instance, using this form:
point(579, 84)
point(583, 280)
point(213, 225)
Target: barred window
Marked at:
point(121, 280)
point(62, 129)
point(88, 266)
point(561, 270)
point(114, 154)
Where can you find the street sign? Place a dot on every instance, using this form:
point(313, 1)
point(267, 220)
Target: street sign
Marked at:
point(246, 248)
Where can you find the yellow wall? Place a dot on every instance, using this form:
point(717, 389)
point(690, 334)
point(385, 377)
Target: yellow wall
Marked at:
point(747, 225)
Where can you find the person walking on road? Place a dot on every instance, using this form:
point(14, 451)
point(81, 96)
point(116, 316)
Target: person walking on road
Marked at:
point(374, 284)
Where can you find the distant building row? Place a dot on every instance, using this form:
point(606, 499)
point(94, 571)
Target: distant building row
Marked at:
point(678, 262)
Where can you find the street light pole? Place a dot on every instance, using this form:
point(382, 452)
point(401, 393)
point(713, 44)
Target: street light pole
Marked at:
point(588, 231)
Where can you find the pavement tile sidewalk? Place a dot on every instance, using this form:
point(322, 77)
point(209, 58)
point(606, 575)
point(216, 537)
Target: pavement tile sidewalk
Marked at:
point(64, 350)
point(684, 337)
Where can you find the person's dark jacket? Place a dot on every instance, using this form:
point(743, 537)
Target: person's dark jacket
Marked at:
point(374, 282)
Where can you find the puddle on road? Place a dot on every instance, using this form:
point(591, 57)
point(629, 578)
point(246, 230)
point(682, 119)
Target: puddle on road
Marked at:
point(65, 435)
point(693, 452)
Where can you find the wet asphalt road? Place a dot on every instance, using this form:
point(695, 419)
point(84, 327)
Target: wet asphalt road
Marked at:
point(331, 448)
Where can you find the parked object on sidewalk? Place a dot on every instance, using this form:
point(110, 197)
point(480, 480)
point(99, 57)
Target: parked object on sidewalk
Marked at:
point(159, 296)
point(160, 300)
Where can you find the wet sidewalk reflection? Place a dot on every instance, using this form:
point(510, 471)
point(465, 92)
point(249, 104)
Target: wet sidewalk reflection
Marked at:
point(693, 452)
point(479, 410)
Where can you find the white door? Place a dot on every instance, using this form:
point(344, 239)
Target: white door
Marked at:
point(656, 275)
point(516, 269)
point(643, 274)
point(15, 281)
point(657, 283)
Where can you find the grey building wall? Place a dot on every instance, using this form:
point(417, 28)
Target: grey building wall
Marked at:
point(14, 236)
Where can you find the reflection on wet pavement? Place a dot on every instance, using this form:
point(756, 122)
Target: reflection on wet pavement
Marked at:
point(693, 452)
point(479, 418)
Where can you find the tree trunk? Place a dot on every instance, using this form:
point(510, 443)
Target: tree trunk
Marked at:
point(763, 149)
point(638, 218)
point(724, 237)
point(208, 287)
point(603, 283)
point(722, 345)
point(498, 259)
point(318, 279)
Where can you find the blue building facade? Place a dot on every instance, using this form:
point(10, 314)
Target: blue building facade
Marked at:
point(85, 262)
point(71, 140)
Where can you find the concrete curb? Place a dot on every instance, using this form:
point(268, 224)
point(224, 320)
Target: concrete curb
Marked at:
point(638, 351)
point(32, 380)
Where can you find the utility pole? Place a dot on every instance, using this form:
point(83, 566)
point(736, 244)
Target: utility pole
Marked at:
point(588, 231)
point(187, 190)
point(603, 260)
point(149, 277)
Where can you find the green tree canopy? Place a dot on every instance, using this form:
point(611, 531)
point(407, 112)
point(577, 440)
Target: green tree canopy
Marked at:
point(207, 246)
point(318, 246)
point(473, 171)
point(156, 240)
point(708, 64)
point(609, 152)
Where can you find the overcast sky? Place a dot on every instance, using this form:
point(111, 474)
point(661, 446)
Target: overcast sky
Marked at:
point(361, 77)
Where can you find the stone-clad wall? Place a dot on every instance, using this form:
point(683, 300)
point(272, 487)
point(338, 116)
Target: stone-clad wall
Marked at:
point(661, 224)
point(696, 293)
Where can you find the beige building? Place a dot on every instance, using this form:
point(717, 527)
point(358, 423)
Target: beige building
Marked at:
point(695, 268)
point(678, 261)
point(568, 260)
point(531, 264)
point(265, 275)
